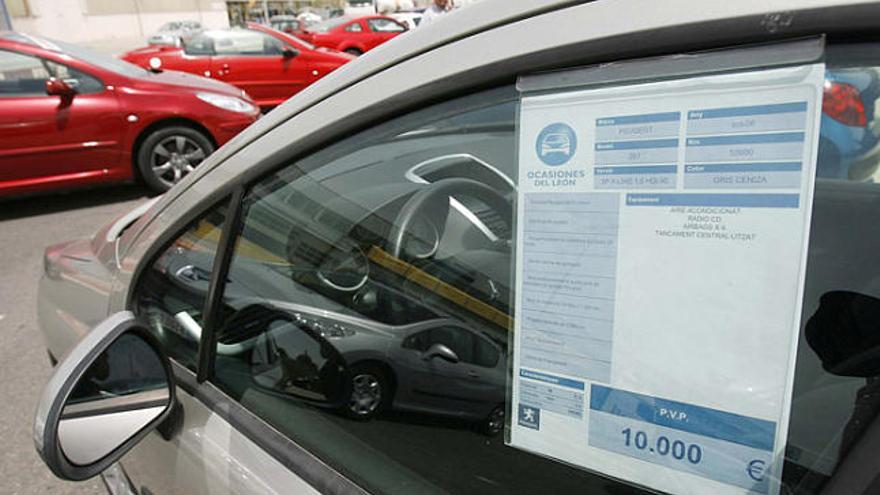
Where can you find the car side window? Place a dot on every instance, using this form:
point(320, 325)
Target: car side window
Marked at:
point(355, 260)
point(332, 280)
point(171, 292)
point(22, 75)
point(467, 347)
point(200, 44)
point(78, 80)
point(385, 26)
point(246, 43)
point(354, 28)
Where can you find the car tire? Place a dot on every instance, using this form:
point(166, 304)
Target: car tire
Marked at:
point(353, 51)
point(168, 154)
point(494, 422)
point(370, 392)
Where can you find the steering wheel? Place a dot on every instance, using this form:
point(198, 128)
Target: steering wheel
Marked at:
point(435, 198)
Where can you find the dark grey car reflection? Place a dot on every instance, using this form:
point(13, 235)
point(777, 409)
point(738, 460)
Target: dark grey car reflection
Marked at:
point(337, 357)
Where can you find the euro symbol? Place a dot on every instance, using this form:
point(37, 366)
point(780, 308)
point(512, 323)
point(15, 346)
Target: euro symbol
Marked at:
point(756, 469)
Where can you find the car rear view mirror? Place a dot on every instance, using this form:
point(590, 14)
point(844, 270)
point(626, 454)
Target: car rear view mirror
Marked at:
point(110, 390)
point(289, 52)
point(441, 351)
point(58, 87)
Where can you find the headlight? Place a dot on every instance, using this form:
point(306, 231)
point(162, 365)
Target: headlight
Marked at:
point(230, 103)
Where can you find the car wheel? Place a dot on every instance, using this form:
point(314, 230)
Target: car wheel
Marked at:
point(354, 51)
point(494, 422)
point(370, 392)
point(169, 154)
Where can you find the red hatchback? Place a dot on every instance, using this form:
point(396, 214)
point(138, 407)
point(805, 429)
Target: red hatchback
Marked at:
point(354, 35)
point(269, 65)
point(72, 117)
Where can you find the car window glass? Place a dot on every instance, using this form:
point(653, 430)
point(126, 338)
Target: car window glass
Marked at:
point(170, 294)
point(354, 28)
point(314, 258)
point(246, 43)
point(78, 80)
point(385, 26)
point(352, 248)
point(22, 75)
point(201, 44)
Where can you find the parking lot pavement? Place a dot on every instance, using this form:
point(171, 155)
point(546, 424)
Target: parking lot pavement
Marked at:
point(27, 226)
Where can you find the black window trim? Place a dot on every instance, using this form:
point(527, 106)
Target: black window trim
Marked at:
point(219, 274)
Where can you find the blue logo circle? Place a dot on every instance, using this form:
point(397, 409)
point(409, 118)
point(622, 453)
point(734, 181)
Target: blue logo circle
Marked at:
point(556, 144)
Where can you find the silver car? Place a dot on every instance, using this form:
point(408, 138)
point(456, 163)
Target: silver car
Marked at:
point(350, 256)
point(172, 33)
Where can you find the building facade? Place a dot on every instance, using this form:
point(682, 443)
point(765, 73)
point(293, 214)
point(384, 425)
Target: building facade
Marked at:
point(111, 25)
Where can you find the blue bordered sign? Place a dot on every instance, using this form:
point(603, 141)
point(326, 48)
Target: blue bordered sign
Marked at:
point(556, 144)
point(719, 445)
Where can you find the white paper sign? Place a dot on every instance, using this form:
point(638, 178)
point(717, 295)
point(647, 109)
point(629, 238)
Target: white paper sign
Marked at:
point(661, 250)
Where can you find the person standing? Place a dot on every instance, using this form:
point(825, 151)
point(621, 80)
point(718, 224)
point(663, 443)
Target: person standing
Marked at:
point(437, 9)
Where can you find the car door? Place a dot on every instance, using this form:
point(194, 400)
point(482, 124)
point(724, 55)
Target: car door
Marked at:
point(354, 186)
point(382, 30)
point(434, 383)
point(48, 138)
point(267, 69)
point(352, 36)
point(169, 298)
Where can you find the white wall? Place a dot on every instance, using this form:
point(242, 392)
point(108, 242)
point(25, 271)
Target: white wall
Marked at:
point(65, 20)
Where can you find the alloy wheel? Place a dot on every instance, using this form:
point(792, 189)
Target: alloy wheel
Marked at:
point(366, 394)
point(174, 157)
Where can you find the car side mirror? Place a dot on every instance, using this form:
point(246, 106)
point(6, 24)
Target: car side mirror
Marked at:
point(113, 388)
point(441, 351)
point(58, 87)
point(289, 52)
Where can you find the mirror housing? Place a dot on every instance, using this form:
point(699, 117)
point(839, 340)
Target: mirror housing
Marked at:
point(289, 52)
point(441, 351)
point(108, 392)
point(57, 87)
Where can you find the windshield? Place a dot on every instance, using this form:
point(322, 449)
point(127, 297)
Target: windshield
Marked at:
point(329, 24)
point(99, 59)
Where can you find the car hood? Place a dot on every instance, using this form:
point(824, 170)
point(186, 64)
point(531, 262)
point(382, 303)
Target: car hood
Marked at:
point(186, 82)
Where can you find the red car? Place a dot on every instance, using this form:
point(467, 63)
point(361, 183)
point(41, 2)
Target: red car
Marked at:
point(73, 117)
point(269, 65)
point(354, 35)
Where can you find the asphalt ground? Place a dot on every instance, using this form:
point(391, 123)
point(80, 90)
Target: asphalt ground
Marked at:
point(27, 226)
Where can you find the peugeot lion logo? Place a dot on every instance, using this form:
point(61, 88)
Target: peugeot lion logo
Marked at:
point(556, 144)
